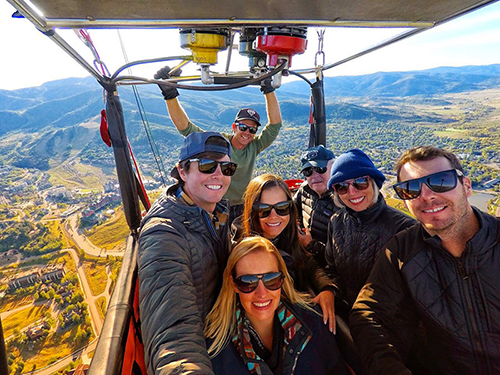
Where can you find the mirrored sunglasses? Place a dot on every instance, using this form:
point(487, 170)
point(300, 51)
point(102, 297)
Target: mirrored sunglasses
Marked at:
point(439, 182)
point(309, 171)
point(360, 183)
point(248, 283)
point(243, 128)
point(209, 166)
point(281, 208)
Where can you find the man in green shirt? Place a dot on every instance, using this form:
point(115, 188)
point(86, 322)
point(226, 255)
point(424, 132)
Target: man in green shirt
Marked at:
point(245, 142)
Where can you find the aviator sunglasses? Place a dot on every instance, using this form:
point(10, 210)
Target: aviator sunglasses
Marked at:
point(209, 166)
point(439, 182)
point(243, 127)
point(309, 171)
point(360, 183)
point(281, 208)
point(248, 283)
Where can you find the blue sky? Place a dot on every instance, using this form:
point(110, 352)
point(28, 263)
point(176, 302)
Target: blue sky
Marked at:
point(30, 59)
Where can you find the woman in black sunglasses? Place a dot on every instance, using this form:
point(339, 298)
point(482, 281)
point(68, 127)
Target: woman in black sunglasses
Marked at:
point(269, 212)
point(361, 228)
point(261, 325)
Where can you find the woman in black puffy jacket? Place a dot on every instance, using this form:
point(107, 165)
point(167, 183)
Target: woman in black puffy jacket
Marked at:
point(358, 232)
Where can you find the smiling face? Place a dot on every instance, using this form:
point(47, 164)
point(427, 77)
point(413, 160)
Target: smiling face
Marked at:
point(242, 138)
point(274, 224)
point(438, 212)
point(319, 182)
point(205, 189)
point(260, 304)
point(358, 200)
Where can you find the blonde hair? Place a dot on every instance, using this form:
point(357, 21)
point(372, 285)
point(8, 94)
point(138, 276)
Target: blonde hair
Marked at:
point(220, 323)
point(338, 201)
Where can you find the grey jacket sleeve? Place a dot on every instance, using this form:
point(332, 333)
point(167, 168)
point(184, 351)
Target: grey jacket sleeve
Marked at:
point(171, 322)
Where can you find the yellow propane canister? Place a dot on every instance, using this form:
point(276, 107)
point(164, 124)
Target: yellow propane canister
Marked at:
point(204, 44)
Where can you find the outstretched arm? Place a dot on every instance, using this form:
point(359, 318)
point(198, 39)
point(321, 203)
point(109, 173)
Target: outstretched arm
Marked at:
point(170, 94)
point(177, 114)
point(172, 327)
point(272, 108)
point(383, 320)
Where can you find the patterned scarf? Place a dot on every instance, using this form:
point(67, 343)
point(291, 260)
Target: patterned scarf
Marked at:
point(241, 340)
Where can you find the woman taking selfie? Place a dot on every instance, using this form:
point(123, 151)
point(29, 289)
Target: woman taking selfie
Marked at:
point(269, 212)
point(261, 325)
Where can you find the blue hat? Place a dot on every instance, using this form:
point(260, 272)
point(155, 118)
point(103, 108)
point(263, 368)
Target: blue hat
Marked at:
point(353, 164)
point(195, 143)
point(317, 156)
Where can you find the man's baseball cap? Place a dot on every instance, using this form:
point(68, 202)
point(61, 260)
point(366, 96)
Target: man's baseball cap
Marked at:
point(317, 156)
point(248, 114)
point(195, 143)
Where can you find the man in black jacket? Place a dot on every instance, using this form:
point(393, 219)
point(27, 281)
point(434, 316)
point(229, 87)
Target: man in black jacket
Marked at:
point(439, 278)
point(315, 202)
point(183, 247)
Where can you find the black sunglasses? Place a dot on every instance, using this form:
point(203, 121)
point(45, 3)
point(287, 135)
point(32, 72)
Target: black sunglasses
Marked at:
point(209, 166)
point(309, 171)
point(360, 183)
point(281, 208)
point(243, 127)
point(248, 283)
point(439, 182)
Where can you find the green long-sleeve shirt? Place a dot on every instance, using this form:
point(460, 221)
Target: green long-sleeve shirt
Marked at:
point(245, 158)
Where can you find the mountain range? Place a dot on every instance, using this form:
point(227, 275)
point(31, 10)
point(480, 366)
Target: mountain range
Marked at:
point(42, 126)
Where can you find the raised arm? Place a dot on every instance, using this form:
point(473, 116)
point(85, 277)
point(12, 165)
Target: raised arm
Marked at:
point(170, 94)
point(177, 114)
point(272, 108)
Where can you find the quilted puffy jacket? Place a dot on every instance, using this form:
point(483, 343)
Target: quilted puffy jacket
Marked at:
point(456, 299)
point(315, 212)
point(355, 240)
point(181, 259)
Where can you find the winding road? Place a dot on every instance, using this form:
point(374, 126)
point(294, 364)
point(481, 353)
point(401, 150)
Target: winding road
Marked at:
point(81, 241)
point(70, 228)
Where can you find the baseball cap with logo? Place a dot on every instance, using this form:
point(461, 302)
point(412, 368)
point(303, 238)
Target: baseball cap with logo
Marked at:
point(317, 156)
point(248, 114)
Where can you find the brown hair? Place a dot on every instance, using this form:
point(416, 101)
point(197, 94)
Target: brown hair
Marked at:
point(421, 153)
point(288, 239)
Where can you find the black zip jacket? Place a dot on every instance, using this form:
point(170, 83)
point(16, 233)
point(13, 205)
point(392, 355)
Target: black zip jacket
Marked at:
point(355, 241)
point(456, 299)
point(315, 213)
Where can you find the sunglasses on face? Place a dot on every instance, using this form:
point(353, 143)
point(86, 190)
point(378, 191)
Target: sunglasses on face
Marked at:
point(281, 208)
point(360, 183)
point(243, 127)
point(439, 182)
point(309, 171)
point(248, 283)
point(209, 166)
